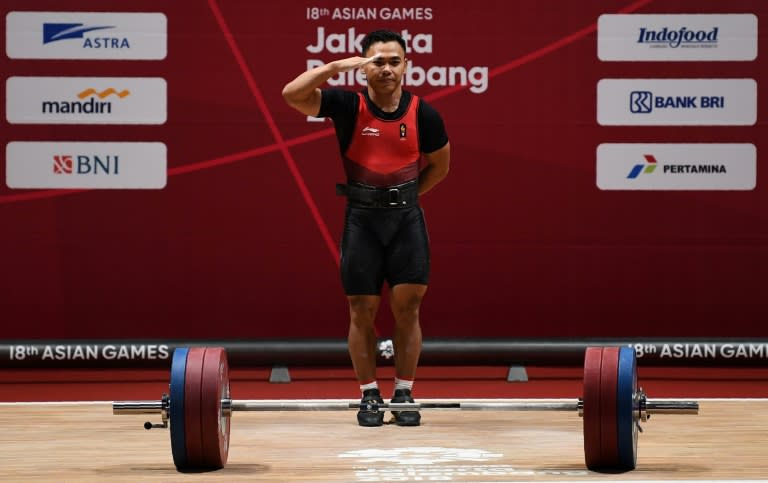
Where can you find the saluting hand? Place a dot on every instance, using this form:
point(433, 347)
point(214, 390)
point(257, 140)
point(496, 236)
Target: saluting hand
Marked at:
point(352, 63)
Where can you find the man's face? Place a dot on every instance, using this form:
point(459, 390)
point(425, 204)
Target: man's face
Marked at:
point(385, 73)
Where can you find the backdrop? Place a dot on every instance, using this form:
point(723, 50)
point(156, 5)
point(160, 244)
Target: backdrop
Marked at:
point(242, 240)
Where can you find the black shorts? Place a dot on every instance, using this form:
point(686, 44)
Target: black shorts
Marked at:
point(380, 244)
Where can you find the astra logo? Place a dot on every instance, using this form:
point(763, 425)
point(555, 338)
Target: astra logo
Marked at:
point(53, 32)
point(91, 106)
point(682, 37)
point(86, 164)
point(643, 168)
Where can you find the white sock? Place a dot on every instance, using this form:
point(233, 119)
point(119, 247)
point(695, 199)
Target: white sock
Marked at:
point(403, 384)
point(370, 385)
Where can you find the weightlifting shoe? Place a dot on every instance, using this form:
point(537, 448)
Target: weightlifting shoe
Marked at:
point(405, 418)
point(372, 417)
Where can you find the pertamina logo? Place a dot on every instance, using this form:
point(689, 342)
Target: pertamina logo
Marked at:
point(647, 168)
point(54, 32)
point(83, 106)
point(84, 164)
point(676, 166)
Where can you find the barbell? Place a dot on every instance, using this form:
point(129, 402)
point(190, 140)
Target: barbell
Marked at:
point(199, 406)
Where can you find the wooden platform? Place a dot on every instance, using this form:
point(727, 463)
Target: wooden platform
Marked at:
point(728, 440)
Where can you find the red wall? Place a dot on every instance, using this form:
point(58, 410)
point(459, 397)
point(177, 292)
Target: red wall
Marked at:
point(241, 243)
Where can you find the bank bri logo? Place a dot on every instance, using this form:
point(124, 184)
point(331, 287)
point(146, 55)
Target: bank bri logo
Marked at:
point(648, 168)
point(640, 102)
point(53, 32)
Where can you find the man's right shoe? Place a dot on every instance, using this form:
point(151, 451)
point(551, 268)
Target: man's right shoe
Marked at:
point(371, 417)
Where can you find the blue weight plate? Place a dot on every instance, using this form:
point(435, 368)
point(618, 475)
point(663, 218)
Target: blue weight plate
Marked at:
point(176, 410)
point(627, 408)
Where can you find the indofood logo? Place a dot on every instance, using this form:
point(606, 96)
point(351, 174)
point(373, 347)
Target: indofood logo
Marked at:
point(420, 455)
point(681, 37)
point(91, 106)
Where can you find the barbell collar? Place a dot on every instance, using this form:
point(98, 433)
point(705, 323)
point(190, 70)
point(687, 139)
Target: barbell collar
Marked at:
point(137, 407)
point(668, 406)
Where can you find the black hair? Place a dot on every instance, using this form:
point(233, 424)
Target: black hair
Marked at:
point(382, 36)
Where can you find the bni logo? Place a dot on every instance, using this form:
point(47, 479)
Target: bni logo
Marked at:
point(67, 164)
point(53, 32)
point(640, 102)
point(62, 164)
point(646, 168)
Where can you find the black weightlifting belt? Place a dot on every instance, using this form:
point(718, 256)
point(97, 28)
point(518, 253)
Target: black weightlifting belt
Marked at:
point(399, 196)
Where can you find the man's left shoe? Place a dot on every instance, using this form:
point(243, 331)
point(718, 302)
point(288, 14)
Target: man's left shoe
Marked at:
point(405, 418)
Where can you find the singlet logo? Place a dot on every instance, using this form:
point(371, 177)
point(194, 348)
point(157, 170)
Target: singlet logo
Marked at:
point(370, 131)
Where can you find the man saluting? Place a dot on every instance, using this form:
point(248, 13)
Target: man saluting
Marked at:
point(395, 148)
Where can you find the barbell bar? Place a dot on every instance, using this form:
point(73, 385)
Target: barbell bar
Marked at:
point(654, 406)
point(199, 408)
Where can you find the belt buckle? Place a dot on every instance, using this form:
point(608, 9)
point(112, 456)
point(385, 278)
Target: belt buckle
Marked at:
point(394, 197)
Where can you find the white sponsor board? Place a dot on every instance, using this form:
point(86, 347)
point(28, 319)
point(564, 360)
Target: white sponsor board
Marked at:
point(86, 100)
point(662, 166)
point(86, 35)
point(85, 165)
point(676, 102)
point(677, 37)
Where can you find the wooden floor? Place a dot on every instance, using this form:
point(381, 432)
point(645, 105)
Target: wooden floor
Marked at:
point(728, 440)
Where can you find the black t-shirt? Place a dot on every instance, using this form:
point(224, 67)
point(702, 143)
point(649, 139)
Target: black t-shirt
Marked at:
point(341, 106)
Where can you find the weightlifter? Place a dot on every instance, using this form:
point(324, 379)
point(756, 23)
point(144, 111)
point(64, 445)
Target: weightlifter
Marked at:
point(395, 148)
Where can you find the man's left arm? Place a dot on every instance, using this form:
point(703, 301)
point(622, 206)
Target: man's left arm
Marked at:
point(438, 165)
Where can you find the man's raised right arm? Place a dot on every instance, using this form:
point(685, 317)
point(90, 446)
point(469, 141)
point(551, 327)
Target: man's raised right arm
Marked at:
point(303, 92)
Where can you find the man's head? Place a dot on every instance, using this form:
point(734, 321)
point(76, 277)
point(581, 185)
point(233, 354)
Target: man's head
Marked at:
point(385, 74)
point(381, 36)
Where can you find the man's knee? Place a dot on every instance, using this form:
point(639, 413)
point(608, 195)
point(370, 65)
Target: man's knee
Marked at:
point(363, 308)
point(406, 304)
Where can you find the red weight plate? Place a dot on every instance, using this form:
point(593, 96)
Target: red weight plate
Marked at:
point(192, 382)
point(215, 426)
point(593, 358)
point(609, 430)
